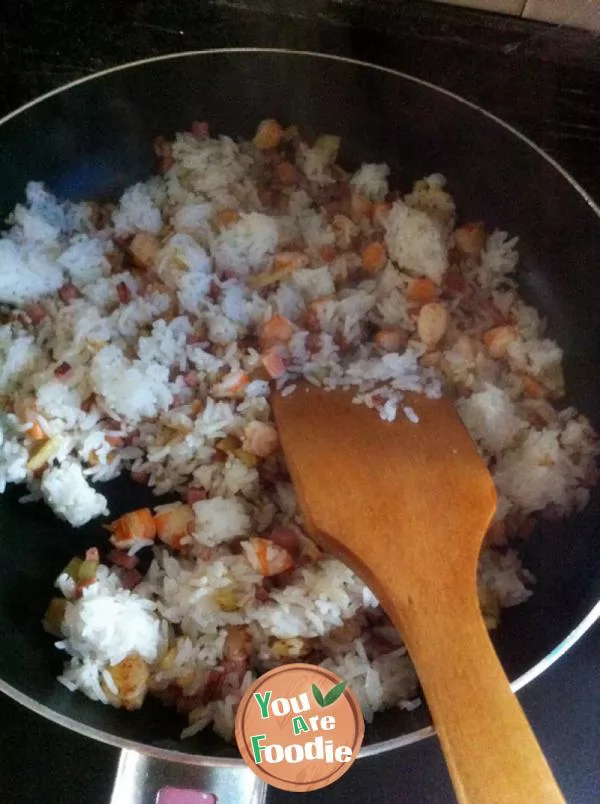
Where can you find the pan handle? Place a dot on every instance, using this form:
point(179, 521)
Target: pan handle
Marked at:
point(142, 779)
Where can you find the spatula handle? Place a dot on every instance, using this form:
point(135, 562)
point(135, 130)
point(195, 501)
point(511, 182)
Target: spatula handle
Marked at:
point(492, 754)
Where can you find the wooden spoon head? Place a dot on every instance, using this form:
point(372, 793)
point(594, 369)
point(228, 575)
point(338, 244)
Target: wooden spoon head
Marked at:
point(376, 493)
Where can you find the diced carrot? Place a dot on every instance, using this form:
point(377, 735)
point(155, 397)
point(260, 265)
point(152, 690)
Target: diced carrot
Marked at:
point(373, 258)
point(498, 339)
point(277, 330)
point(132, 527)
point(421, 290)
point(273, 363)
point(287, 174)
point(268, 135)
point(232, 384)
point(35, 432)
point(172, 525)
point(267, 557)
point(532, 389)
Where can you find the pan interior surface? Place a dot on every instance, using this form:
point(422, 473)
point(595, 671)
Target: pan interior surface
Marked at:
point(94, 139)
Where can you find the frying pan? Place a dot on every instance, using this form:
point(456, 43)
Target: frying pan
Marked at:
point(92, 138)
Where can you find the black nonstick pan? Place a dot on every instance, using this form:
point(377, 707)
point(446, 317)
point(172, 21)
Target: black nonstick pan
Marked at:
point(93, 138)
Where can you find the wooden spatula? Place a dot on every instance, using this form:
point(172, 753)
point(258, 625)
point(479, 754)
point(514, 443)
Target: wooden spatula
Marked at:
point(406, 506)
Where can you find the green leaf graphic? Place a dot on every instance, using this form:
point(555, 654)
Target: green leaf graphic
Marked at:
point(318, 695)
point(334, 693)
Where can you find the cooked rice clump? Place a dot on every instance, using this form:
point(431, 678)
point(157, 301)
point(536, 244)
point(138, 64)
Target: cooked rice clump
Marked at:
point(144, 337)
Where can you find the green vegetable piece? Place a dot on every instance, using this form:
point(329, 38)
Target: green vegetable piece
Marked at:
point(87, 571)
point(328, 145)
point(73, 566)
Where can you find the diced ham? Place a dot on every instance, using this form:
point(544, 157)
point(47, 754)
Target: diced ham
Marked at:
point(164, 151)
point(123, 293)
point(274, 364)
point(200, 130)
point(68, 293)
point(194, 495)
point(191, 379)
point(277, 330)
point(198, 336)
point(238, 643)
point(62, 370)
point(122, 559)
point(286, 538)
point(35, 312)
point(262, 594)
point(131, 578)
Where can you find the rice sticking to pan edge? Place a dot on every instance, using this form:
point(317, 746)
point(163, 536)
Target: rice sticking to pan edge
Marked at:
point(144, 336)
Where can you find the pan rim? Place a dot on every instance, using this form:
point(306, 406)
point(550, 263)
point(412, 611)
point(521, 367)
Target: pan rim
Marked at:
point(585, 624)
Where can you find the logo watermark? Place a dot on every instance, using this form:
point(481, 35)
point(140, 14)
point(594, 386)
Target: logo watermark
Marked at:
point(299, 727)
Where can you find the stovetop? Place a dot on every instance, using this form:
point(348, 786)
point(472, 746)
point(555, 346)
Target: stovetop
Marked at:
point(544, 80)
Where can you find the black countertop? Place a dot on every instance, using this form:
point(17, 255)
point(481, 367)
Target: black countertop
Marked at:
point(546, 81)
